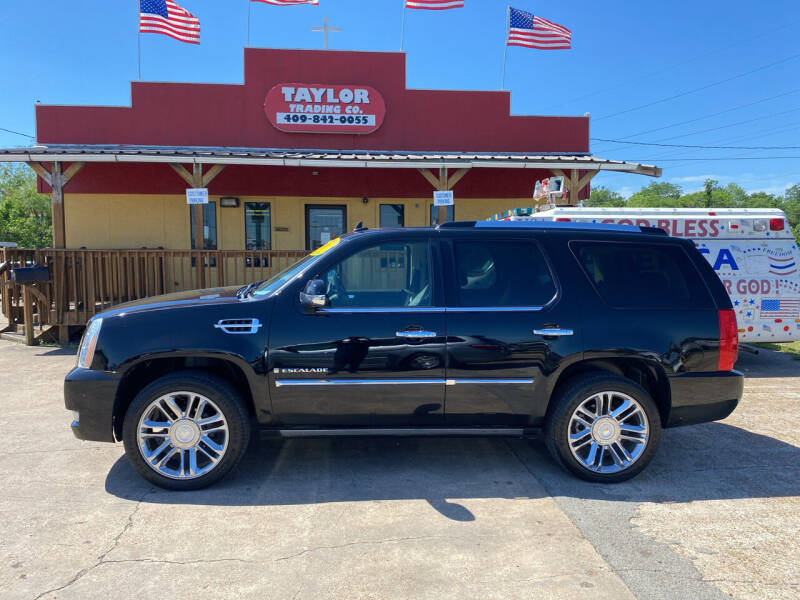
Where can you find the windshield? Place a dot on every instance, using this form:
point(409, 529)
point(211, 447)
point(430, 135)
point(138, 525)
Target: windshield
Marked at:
point(270, 286)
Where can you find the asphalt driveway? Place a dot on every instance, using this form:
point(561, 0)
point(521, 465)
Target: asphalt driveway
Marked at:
point(716, 513)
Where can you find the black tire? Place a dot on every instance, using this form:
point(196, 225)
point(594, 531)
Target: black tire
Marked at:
point(571, 396)
point(226, 399)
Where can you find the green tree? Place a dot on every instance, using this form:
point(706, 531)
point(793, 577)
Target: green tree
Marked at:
point(658, 193)
point(604, 197)
point(24, 213)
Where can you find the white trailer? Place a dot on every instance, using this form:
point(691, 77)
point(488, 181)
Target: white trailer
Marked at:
point(752, 250)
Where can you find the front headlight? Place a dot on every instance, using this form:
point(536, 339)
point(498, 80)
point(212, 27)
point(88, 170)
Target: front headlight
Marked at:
point(89, 343)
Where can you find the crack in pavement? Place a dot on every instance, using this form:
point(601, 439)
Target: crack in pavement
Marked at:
point(102, 558)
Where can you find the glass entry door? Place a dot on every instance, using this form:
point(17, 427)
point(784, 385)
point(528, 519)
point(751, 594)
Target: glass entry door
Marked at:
point(324, 222)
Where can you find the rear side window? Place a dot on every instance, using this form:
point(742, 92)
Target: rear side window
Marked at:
point(642, 275)
point(502, 274)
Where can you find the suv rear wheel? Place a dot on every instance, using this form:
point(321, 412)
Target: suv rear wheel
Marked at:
point(603, 427)
point(186, 431)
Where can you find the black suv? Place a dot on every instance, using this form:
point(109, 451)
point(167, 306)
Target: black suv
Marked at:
point(595, 336)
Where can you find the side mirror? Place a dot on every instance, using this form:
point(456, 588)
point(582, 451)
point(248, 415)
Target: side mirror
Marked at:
point(314, 295)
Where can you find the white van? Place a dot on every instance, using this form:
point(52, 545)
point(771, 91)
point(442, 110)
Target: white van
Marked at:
point(752, 250)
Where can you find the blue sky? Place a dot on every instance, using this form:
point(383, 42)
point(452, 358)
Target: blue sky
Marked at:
point(625, 55)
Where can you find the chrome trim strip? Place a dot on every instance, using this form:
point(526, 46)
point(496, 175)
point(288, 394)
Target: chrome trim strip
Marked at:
point(432, 309)
point(489, 381)
point(300, 433)
point(553, 332)
point(314, 382)
point(459, 309)
point(451, 382)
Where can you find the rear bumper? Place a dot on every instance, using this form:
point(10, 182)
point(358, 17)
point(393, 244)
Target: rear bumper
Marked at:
point(703, 397)
point(91, 394)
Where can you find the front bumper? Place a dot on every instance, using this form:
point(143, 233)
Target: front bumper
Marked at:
point(704, 397)
point(91, 394)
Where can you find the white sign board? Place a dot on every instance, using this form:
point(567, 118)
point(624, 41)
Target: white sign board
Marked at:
point(197, 196)
point(443, 198)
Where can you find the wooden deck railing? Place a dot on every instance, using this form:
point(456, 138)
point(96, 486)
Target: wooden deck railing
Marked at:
point(86, 282)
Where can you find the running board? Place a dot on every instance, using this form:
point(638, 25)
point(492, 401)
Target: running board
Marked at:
point(404, 432)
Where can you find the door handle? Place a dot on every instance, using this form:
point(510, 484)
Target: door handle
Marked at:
point(416, 333)
point(553, 332)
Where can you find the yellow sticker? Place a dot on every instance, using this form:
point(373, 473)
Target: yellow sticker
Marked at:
point(323, 249)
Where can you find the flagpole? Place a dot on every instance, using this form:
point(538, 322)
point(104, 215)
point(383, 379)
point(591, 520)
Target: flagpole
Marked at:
point(249, 12)
point(403, 26)
point(505, 52)
point(139, 36)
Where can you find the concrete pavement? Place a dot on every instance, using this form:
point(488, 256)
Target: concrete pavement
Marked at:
point(385, 518)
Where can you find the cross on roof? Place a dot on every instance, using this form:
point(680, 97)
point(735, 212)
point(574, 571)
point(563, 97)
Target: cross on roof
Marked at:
point(325, 29)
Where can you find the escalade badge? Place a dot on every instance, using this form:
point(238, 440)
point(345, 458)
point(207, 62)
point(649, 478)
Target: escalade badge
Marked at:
point(315, 371)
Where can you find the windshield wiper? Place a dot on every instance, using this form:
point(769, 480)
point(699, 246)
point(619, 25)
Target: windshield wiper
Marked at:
point(244, 291)
point(247, 290)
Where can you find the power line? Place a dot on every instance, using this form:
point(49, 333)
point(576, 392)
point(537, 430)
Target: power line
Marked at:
point(700, 89)
point(648, 160)
point(16, 133)
point(627, 82)
point(708, 116)
point(696, 146)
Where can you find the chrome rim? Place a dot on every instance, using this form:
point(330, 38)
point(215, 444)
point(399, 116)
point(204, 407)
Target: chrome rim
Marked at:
point(183, 435)
point(608, 432)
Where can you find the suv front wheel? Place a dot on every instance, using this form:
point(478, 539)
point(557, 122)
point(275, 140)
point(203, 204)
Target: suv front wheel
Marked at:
point(186, 431)
point(603, 427)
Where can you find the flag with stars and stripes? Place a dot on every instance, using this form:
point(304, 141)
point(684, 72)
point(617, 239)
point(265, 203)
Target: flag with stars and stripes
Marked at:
point(167, 18)
point(780, 308)
point(529, 31)
point(288, 2)
point(435, 4)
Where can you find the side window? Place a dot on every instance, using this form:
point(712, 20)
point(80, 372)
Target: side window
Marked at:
point(392, 275)
point(502, 274)
point(642, 275)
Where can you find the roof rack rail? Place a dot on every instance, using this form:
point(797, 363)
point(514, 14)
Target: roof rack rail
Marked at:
point(550, 225)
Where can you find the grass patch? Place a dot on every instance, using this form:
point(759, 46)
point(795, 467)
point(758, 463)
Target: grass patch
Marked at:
point(791, 348)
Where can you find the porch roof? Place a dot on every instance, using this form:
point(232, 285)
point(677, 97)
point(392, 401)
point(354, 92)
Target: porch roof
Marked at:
point(317, 158)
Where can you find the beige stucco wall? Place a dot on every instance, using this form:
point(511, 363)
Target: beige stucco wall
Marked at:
point(132, 221)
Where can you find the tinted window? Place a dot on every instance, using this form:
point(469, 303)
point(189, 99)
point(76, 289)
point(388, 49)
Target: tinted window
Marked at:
point(256, 226)
point(642, 275)
point(392, 215)
point(395, 275)
point(502, 274)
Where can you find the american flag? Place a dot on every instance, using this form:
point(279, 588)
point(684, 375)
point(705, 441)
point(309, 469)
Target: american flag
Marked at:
point(288, 2)
point(529, 31)
point(780, 308)
point(435, 4)
point(165, 16)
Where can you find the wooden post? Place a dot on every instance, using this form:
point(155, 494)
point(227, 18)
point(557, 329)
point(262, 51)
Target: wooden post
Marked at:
point(27, 315)
point(59, 222)
point(442, 216)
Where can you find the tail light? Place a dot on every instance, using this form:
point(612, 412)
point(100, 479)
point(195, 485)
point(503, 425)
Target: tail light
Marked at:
point(776, 224)
point(563, 220)
point(728, 340)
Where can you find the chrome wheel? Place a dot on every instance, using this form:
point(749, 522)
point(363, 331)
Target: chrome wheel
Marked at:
point(182, 435)
point(608, 432)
